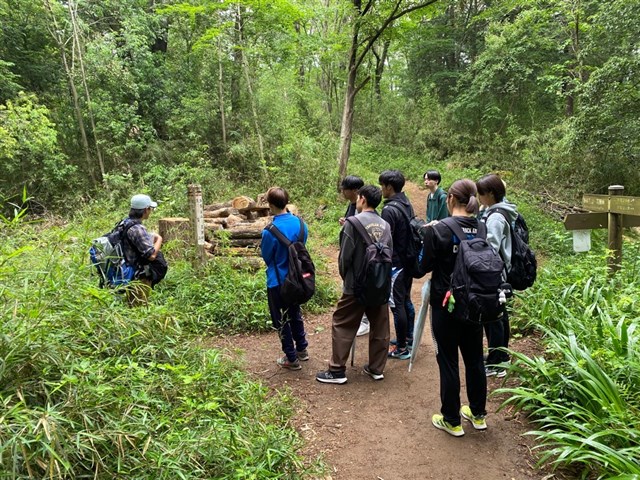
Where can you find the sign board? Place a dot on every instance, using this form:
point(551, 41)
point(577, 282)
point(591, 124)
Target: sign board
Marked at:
point(596, 203)
point(625, 205)
point(590, 221)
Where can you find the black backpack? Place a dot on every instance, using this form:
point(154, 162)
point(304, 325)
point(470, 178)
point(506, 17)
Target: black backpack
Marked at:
point(300, 283)
point(415, 241)
point(479, 294)
point(523, 260)
point(373, 282)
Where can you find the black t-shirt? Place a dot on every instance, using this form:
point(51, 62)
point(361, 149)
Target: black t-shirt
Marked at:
point(439, 254)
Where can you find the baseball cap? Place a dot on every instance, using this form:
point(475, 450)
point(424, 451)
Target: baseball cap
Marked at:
point(141, 201)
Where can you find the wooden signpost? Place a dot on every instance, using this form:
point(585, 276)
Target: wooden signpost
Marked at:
point(197, 222)
point(613, 211)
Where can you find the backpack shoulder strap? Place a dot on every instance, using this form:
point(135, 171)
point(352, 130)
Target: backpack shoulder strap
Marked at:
point(301, 234)
point(502, 212)
point(278, 234)
point(357, 224)
point(453, 225)
point(398, 206)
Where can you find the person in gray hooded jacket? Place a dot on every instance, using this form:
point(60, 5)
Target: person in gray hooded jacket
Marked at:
point(498, 216)
point(349, 311)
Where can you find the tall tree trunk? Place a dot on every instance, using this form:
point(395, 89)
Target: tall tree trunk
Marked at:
point(223, 121)
point(254, 110)
point(357, 54)
point(76, 37)
point(56, 33)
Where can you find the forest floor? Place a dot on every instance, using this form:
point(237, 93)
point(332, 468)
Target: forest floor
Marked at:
point(382, 430)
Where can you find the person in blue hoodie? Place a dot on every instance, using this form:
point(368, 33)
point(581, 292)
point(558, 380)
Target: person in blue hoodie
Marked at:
point(498, 215)
point(286, 319)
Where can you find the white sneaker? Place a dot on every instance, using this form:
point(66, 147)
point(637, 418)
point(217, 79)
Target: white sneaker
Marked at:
point(364, 327)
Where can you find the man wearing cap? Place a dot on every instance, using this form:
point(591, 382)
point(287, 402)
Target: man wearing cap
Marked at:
point(142, 248)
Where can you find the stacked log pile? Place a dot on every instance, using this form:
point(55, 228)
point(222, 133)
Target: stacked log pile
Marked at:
point(235, 228)
point(231, 229)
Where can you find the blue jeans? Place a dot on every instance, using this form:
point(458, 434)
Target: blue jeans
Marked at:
point(288, 323)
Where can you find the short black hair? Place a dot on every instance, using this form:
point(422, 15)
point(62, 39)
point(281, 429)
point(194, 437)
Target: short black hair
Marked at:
point(492, 183)
point(395, 178)
point(433, 175)
point(352, 182)
point(372, 195)
point(136, 213)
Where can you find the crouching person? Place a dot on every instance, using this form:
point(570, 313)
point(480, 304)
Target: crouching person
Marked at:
point(365, 267)
point(142, 249)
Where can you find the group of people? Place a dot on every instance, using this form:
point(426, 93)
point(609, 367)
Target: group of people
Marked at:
point(467, 203)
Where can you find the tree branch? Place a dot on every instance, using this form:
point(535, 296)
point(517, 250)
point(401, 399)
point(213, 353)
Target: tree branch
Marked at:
point(359, 87)
point(392, 18)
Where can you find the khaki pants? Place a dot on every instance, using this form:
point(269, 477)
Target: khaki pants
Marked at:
point(346, 320)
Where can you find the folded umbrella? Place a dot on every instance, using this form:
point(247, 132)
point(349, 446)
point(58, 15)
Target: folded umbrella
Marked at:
point(418, 326)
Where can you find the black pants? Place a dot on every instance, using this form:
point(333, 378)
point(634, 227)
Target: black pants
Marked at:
point(449, 335)
point(498, 336)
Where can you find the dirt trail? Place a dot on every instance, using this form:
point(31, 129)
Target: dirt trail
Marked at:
point(382, 430)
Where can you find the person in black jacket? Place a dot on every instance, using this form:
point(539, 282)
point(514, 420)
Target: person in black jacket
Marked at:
point(350, 187)
point(449, 335)
point(397, 211)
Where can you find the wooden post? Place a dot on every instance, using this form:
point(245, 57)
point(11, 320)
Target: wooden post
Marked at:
point(615, 234)
point(196, 214)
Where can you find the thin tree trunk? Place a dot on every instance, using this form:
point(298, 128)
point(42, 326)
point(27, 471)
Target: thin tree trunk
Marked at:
point(380, 64)
point(76, 38)
point(254, 111)
point(57, 36)
point(221, 99)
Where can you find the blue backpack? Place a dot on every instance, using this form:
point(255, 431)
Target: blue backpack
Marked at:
point(107, 255)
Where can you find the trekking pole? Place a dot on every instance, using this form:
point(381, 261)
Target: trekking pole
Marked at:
point(353, 350)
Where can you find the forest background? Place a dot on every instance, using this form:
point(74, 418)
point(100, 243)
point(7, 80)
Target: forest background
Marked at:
point(100, 99)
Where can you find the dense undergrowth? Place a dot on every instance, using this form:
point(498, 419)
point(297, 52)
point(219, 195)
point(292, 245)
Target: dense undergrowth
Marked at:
point(581, 391)
point(91, 388)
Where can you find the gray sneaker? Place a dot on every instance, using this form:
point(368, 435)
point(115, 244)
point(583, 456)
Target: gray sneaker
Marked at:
point(284, 362)
point(303, 356)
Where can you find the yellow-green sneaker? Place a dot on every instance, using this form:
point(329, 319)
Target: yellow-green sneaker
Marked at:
point(478, 421)
point(440, 423)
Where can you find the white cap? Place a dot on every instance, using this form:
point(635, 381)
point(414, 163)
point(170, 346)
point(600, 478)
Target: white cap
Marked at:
point(141, 201)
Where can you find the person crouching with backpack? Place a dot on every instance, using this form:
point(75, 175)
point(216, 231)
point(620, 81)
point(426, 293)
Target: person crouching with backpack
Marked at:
point(498, 217)
point(286, 319)
point(450, 335)
point(365, 254)
point(142, 249)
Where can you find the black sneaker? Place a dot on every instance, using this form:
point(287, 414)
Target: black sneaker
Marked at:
point(303, 356)
point(331, 377)
point(372, 374)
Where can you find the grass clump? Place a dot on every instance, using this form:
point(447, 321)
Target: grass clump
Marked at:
point(582, 393)
point(90, 388)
